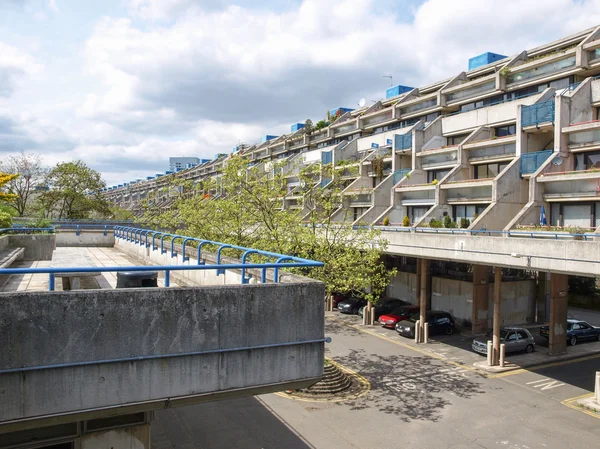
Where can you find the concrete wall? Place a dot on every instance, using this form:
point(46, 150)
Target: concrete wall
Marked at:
point(577, 257)
point(96, 325)
point(453, 296)
point(37, 246)
point(517, 305)
point(403, 286)
point(85, 238)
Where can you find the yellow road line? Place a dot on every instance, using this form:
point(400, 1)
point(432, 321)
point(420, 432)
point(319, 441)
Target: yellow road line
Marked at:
point(467, 367)
point(570, 403)
point(404, 345)
point(546, 365)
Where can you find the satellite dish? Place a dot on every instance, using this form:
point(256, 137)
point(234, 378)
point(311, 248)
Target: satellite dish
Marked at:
point(362, 102)
point(558, 160)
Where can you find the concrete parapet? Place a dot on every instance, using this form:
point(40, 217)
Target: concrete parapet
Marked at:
point(37, 246)
point(154, 347)
point(85, 238)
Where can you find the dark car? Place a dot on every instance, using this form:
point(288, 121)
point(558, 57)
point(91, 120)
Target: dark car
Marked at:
point(390, 319)
point(351, 305)
point(386, 306)
point(438, 322)
point(577, 330)
point(514, 339)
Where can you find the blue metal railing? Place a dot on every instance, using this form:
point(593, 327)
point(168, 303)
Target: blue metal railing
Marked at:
point(570, 88)
point(400, 174)
point(141, 237)
point(530, 162)
point(403, 141)
point(324, 182)
point(326, 157)
point(537, 113)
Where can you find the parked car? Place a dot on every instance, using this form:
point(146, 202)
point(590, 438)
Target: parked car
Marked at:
point(337, 298)
point(577, 330)
point(389, 320)
point(515, 339)
point(386, 306)
point(351, 305)
point(438, 322)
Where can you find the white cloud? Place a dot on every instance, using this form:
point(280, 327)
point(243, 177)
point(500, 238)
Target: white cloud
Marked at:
point(189, 77)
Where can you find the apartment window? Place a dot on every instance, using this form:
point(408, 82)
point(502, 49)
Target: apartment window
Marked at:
point(415, 213)
point(467, 211)
point(455, 140)
point(436, 174)
point(485, 171)
point(584, 215)
point(508, 130)
point(587, 161)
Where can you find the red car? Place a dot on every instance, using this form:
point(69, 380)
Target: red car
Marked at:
point(401, 313)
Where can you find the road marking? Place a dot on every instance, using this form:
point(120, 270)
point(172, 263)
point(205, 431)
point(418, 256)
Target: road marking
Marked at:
point(545, 384)
point(546, 365)
point(571, 404)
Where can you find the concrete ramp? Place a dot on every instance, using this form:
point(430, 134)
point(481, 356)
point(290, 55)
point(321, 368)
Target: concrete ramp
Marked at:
point(78, 354)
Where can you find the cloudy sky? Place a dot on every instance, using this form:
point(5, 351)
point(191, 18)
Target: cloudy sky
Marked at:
point(124, 84)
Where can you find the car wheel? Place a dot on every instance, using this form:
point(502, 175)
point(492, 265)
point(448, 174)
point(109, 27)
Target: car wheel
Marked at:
point(449, 330)
point(354, 311)
point(529, 349)
point(573, 340)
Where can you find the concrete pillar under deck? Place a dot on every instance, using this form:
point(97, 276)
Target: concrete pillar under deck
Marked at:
point(559, 286)
point(423, 299)
point(479, 311)
point(418, 283)
point(496, 319)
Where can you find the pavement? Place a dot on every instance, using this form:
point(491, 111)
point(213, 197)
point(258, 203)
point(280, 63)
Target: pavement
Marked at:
point(419, 397)
point(74, 257)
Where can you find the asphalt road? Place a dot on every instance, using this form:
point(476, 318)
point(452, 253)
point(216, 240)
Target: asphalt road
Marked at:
point(416, 400)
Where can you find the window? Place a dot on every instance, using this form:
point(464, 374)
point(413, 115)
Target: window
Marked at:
point(416, 212)
point(585, 215)
point(576, 327)
point(584, 326)
point(455, 140)
point(467, 211)
point(512, 336)
point(485, 171)
point(523, 335)
point(508, 130)
point(587, 161)
point(436, 174)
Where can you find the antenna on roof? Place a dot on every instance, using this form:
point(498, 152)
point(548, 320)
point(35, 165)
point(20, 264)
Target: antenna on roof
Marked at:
point(362, 102)
point(390, 77)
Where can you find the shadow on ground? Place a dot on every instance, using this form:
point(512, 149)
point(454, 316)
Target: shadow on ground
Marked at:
point(411, 388)
point(235, 423)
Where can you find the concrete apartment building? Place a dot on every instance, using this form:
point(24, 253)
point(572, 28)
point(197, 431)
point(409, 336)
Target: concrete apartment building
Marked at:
point(492, 144)
point(489, 147)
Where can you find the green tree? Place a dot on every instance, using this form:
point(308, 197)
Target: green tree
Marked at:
point(32, 174)
point(74, 192)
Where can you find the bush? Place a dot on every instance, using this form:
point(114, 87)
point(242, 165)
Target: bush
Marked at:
point(41, 223)
point(406, 221)
point(5, 220)
point(386, 221)
point(447, 221)
point(465, 223)
point(433, 223)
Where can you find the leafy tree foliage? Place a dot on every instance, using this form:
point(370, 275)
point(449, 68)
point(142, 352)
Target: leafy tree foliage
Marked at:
point(32, 174)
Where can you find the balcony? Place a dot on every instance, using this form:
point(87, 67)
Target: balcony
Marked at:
point(403, 141)
point(571, 185)
point(537, 114)
point(471, 92)
point(531, 162)
point(360, 199)
point(526, 73)
point(468, 191)
point(420, 106)
point(584, 140)
point(502, 147)
point(400, 174)
point(440, 159)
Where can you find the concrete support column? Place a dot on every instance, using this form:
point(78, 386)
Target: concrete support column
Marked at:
point(496, 319)
point(423, 299)
point(418, 282)
point(559, 285)
point(542, 290)
point(479, 311)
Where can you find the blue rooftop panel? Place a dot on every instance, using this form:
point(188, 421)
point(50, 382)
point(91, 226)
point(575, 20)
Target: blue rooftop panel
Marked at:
point(341, 111)
point(397, 90)
point(268, 137)
point(484, 59)
point(296, 126)
point(148, 178)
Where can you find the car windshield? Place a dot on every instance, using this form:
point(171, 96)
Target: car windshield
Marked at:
point(503, 334)
point(416, 317)
point(402, 311)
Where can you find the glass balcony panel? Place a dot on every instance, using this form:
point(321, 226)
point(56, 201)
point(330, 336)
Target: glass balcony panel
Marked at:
point(419, 106)
point(495, 151)
point(440, 158)
point(543, 70)
point(472, 91)
point(585, 138)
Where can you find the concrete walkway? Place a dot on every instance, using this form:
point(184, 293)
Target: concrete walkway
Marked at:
point(79, 257)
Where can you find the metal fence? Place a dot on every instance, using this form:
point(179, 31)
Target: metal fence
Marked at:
point(403, 141)
point(537, 113)
point(530, 162)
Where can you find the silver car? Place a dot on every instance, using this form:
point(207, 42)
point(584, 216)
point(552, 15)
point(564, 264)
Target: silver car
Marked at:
point(515, 339)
